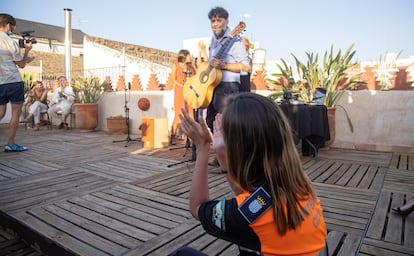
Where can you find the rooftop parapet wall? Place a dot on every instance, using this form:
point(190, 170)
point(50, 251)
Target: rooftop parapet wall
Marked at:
point(153, 55)
point(103, 53)
point(381, 119)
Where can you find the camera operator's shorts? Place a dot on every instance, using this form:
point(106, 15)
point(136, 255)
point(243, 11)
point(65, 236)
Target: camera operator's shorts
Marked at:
point(13, 92)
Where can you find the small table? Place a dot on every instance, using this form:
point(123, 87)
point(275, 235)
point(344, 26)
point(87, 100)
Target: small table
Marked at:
point(310, 124)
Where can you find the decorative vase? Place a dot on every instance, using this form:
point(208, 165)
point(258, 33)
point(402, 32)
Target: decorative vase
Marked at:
point(117, 125)
point(331, 121)
point(86, 116)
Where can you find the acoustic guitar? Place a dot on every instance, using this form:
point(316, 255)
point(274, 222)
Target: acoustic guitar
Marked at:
point(198, 90)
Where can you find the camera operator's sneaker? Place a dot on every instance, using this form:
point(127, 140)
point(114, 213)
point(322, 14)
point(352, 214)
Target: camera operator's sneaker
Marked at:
point(14, 148)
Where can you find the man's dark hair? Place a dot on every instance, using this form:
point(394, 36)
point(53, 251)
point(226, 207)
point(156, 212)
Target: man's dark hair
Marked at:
point(6, 19)
point(219, 12)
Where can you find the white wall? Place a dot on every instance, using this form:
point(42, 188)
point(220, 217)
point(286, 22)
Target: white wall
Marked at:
point(381, 118)
point(44, 45)
point(192, 45)
point(99, 56)
point(112, 104)
point(7, 116)
point(56, 47)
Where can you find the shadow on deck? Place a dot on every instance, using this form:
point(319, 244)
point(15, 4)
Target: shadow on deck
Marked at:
point(81, 194)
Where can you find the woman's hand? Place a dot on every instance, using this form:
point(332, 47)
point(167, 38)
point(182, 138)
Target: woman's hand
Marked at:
point(198, 132)
point(201, 45)
point(218, 141)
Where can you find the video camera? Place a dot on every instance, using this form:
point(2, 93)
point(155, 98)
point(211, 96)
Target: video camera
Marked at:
point(26, 37)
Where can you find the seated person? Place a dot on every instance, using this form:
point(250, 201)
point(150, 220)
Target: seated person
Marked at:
point(37, 98)
point(62, 100)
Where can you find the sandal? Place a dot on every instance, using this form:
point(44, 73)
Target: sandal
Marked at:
point(217, 170)
point(214, 163)
point(405, 209)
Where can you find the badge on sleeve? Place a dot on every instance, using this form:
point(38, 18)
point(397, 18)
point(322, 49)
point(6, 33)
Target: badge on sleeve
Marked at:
point(255, 205)
point(218, 217)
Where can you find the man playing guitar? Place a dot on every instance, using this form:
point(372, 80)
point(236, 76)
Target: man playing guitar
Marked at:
point(220, 76)
point(231, 61)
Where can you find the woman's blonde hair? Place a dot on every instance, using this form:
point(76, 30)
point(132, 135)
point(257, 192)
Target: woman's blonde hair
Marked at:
point(34, 83)
point(261, 152)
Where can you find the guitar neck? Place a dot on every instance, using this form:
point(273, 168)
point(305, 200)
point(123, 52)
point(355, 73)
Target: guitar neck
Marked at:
point(239, 28)
point(223, 47)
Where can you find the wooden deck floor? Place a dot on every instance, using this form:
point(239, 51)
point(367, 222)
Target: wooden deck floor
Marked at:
point(77, 193)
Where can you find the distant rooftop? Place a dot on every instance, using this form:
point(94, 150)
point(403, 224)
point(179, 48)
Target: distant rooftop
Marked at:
point(47, 31)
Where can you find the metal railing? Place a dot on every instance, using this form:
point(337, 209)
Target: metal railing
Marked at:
point(111, 73)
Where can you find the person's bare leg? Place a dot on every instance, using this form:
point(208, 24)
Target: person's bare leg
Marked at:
point(2, 111)
point(28, 117)
point(14, 122)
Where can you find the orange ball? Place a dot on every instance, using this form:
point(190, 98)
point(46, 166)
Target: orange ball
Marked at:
point(144, 104)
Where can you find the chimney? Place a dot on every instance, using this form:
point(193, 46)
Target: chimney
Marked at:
point(68, 43)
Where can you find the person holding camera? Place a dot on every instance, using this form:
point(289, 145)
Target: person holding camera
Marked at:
point(62, 101)
point(26, 38)
point(11, 84)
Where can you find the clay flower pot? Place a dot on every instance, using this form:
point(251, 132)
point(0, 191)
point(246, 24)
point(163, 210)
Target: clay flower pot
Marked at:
point(86, 116)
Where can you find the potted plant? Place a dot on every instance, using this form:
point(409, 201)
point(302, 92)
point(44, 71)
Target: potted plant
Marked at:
point(27, 79)
point(291, 88)
point(87, 91)
point(336, 75)
point(331, 78)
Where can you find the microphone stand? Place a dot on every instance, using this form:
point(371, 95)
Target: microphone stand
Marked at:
point(188, 143)
point(126, 109)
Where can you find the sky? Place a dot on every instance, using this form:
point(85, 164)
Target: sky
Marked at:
point(282, 28)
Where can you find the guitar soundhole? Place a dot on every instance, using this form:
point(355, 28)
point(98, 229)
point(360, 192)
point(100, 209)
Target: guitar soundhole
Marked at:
point(203, 78)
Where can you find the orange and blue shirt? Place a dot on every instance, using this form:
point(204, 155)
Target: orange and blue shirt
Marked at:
point(224, 220)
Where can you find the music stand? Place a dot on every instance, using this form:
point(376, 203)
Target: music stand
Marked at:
point(126, 108)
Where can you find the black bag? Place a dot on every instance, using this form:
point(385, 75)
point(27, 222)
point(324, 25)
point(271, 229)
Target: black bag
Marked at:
point(244, 82)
